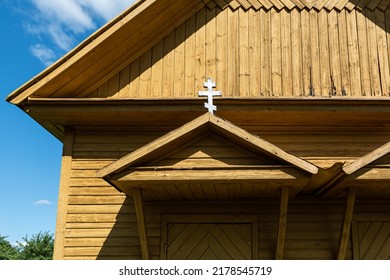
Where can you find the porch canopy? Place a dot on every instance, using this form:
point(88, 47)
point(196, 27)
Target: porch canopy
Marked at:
point(369, 174)
point(209, 158)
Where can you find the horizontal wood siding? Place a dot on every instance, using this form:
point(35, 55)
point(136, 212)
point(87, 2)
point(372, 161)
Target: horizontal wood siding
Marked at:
point(101, 222)
point(264, 53)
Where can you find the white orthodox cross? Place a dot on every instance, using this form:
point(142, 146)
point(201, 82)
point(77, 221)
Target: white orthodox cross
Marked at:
point(210, 93)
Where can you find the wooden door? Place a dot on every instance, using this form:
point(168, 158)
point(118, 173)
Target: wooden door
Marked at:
point(209, 238)
point(371, 240)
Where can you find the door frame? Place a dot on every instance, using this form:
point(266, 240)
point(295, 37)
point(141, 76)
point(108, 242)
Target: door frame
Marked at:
point(209, 219)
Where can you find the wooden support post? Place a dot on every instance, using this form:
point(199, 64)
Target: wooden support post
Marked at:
point(63, 195)
point(139, 211)
point(347, 221)
point(282, 223)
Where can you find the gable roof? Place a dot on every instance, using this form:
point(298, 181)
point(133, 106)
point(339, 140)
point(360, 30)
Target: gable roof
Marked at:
point(194, 130)
point(133, 32)
point(155, 168)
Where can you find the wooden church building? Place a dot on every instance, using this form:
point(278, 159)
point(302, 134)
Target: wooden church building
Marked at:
point(223, 129)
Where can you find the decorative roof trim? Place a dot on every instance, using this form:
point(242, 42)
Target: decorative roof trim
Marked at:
point(317, 5)
point(195, 129)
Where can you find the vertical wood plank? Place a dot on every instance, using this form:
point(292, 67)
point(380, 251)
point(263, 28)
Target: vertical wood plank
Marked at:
point(276, 53)
point(334, 50)
point(363, 54)
point(222, 51)
point(324, 53)
point(113, 86)
point(387, 19)
point(210, 44)
point(373, 54)
point(145, 74)
point(346, 224)
point(233, 54)
point(344, 59)
point(306, 51)
point(179, 61)
point(265, 52)
point(157, 69)
point(296, 52)
point(353, 49)
point(189, 82)
point(282, 223)
point(315, 53)
point(382, 52)
point(63, 196)
point(134, 78)
point(200, 57)
point(254, 53)
point(168, 66)
point(244, 53)
point(139, 211)
point(124, 80)
point(286, 53)
point(102, 91)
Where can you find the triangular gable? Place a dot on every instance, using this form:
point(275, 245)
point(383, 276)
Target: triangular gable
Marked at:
point(266, 168)
point(109, 49)
point(211, 151)
point(135, 31)
point(195, 129)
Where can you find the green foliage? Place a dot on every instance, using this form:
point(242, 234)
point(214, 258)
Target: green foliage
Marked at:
point(38, 247)
point(7, 251)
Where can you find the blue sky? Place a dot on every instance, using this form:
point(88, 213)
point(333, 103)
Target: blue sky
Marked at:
point(35, 33)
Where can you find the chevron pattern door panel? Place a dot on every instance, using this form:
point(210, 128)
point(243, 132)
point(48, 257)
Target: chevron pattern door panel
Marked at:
point(373, 240)
point(210, 240)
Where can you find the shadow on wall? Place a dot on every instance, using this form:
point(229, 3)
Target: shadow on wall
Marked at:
point(122, 242)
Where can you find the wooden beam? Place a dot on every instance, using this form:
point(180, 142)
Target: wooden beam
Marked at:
point(243, 137)
point(162, 145)
point(347, 221)
point(63, 196)
point(282, 223)
point(367, 159)
point(211, 174)
point(323, 177)
point(139, 211)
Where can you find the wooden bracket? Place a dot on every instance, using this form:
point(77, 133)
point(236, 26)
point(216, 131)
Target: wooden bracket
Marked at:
point(282, 223)
point(139, 211)
point(347, 221)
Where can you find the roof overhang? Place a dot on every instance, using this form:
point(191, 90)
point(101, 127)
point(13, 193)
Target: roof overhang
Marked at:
point(54, 114)
point(109, 49)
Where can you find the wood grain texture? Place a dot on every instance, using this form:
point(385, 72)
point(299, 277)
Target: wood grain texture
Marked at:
point(325, 50)
point(282, 223)
point(63, 197)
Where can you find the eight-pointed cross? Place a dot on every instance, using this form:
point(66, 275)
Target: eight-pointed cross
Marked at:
point(210, 93)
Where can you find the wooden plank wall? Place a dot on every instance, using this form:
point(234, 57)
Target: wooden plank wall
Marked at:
point(101, 222)
point(264, 53)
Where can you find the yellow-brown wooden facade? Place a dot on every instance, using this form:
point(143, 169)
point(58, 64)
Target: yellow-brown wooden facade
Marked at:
point(265, 53)
point(307, 81)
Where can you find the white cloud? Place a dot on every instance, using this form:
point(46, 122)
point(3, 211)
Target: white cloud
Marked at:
point(107, 9)
point(44, 54)
point(42, 202)
point(61, 21)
